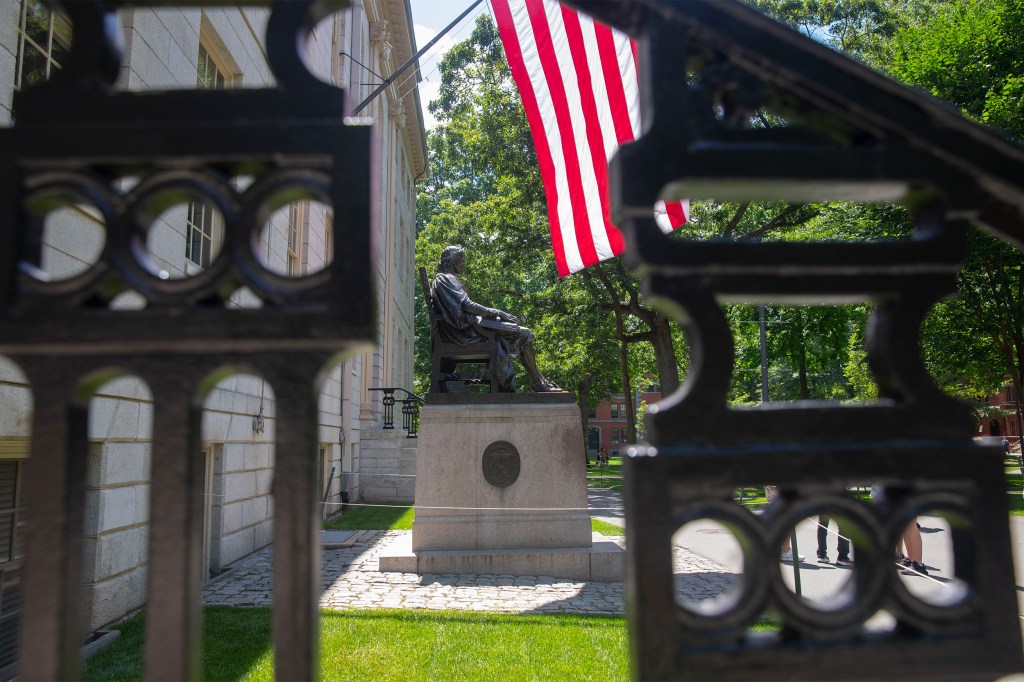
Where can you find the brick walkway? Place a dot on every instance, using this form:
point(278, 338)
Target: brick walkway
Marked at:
point(351, 580)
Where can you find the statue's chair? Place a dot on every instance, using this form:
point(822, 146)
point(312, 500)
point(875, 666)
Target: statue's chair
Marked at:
point(447, 357)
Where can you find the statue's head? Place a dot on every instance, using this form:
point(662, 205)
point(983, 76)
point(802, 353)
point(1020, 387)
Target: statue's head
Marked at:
point(448, 257)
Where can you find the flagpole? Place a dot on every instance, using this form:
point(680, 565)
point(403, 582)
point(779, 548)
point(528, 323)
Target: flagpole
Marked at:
point(412, 60)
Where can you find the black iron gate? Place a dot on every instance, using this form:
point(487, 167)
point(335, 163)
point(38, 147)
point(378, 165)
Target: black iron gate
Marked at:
point(75, 141)
point(853, 135)
point(850, 134)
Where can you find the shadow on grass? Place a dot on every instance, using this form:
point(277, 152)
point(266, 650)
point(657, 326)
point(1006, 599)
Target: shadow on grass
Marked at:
point(1014, 488)
point(425, 645)
point(235, 642)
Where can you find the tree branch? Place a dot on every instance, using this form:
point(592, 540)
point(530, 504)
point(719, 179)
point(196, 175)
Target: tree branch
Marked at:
point(777, 221)
point(736, 219)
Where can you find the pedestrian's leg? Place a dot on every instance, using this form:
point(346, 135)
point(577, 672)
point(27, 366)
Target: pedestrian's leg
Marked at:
point(915, 549)
point(823, 537)
point(843, 546)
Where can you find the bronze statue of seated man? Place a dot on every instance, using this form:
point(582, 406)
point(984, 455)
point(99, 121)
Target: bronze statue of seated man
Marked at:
point(458, 313)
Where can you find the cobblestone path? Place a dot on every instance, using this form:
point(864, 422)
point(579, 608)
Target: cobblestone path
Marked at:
point(351, 580)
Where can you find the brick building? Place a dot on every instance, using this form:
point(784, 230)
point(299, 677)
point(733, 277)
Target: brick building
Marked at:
point(606, 424)
point(1003, 420)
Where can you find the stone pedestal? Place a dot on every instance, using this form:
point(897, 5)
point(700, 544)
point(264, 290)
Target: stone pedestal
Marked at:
point(501, 489)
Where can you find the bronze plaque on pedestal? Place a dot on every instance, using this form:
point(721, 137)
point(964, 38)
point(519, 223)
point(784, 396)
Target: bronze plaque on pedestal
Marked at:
point(501, 464)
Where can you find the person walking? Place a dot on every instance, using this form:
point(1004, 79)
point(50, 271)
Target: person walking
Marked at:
point(843, 545)
point(913, 560)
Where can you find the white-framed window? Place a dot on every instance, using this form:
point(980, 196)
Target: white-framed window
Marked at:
point(203, 225)
point(329, 239)
point(11, 551)
point(44, 40)
point(210, 75)
point(298, 221)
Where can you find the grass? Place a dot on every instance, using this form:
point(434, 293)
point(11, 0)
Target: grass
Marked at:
point(399, 645)
point(384, 517)
point(1015, 490)
point(393, 517)
point(608, 476)
point(605, 528)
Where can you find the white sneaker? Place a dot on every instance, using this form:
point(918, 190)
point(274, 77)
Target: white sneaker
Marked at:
point(788, 556)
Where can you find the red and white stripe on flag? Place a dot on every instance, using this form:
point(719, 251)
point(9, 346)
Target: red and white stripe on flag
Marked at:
point(578, 81)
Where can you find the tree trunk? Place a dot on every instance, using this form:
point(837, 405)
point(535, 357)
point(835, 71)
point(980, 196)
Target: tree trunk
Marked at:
point(620, 333)
point(583, 392)
point(801, 354)
point(664, 354)
point(627, 383)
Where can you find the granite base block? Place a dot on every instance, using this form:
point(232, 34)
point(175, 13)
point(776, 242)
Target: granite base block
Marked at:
point(603, 561)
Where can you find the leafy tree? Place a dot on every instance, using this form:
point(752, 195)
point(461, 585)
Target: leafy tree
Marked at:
point(969, 54)
point(972, 55)
point(485, 193)
point(850, 26)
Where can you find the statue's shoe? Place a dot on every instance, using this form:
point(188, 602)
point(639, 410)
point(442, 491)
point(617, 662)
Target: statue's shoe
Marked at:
point(545, 387)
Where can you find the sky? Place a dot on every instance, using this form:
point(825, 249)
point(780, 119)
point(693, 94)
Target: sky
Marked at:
point(429, 18)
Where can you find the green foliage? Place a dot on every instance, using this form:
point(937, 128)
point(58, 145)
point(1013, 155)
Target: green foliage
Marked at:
point(392, 645)
point(807, 350)
point(858, 374)
point(859, 27)
point(970, 54)
point(485, 194)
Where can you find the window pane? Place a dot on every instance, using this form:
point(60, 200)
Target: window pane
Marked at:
point(202, 67)
point(192, 245)
point(8, 484)
point(37, 23)
point(62, 36)
point(33, 67)
point(6, 537)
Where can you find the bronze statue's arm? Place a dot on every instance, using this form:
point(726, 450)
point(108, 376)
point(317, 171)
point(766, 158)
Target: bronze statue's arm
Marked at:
point(474, 308)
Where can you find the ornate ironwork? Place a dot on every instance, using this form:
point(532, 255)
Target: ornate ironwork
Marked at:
point(75, 139)
point(387, 403)
point(410, 410)
point(411, 415)
point(851, 134)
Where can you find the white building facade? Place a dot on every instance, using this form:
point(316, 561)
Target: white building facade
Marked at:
point(214, 48)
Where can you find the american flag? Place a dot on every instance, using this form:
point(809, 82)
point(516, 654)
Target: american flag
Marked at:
point(578, 82)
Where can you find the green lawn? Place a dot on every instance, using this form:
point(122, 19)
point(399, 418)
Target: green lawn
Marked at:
point(384, 517)
point(387, 517)
point(399, 645)
point(1015, 490)
point(609, 476)
point(605, 528)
